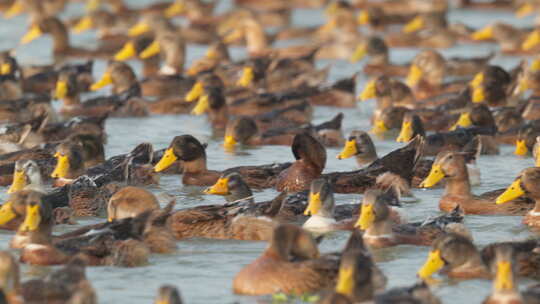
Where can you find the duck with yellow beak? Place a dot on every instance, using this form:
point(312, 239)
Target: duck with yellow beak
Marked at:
point(320, 208)
point(69, 163)
point(168, 294)
point(390, 119)
point(380, 231)
point(525, 185)
point(526, 140)
point(502, 267)
point(451, 167)
point(359, 145)
point(37, 224)
point(232, 187)
point(457, 256)
point(243, 131)
point(27, 176)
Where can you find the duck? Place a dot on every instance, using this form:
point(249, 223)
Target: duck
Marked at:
point(69, 163)
point(129, 202)
point(192, 155)
point(27, 176)
point(360, 145)
point(379, 231)
point(168, 294)
point(378, 62)
point(378, 19)
point(133, 48)
point(387, 92)
point(511, 40)
point(524, 185)
point(216, 54)
point(69, 282)
point(451, 166)
point(291, 251)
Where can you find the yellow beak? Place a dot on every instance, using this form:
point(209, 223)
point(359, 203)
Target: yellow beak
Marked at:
point(524, 10)
point(166, 161)
point(83, 25)
point(406, 133)
point(62, 166)
point(358, 53)
point(483, 34)
point(369, 91)
point(414, 25)
point(511, 193)
point(503, 278)
point(34, 33)
point(92, 5)
point(5, 69)
point(464, 121)
point(153, 49)
point(477, 80)
point(363, 18)
point(196, 91)
point(415, 74)
point(19, 181)
point(247, 77)
point(138, 29)
point(345, 281)
point(367, 217)
point(61, 90)
point(379, 127)
point(349, 150)
point(6, 213)
point(229, 142)
point(532, 40)
point(436, 174)
point(105, 80)
point(433, 264)
point(128, 51)
point(202, 106)
point(535, 65)
point(32, 219)
point(175, 9)
point(233, 36)
point(221, 187)
point(314, 204)
point(14, 10)
point(478, 94)
point(521, 148)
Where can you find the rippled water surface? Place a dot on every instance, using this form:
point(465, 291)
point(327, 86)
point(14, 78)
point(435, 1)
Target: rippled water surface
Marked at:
point(203, 269)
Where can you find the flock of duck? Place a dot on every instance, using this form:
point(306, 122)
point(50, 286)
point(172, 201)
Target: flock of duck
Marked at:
point(447, 112)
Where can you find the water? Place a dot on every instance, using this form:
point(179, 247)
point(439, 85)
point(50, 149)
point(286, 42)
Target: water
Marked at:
point(204, 269)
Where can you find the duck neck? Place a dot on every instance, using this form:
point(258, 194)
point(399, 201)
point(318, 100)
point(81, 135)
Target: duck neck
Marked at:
point(175, 59)
point(243, 193)
point(536, 210)
point(379, 59)
point(34, 183)
point(379, 229)
point(366, 159)
point(195, 166)
point(256, 40)
point(458, 184)
point(150, 66)
point(60, 38)
point(219, 117)
point(72, 100)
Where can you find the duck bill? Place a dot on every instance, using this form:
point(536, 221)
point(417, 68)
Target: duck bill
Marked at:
point(535, 65)
point(196, 91)
point(532, 40)
point(414, 25)
point(477, 80)
point(504, 280)
point(511, 193)
point(202, 106)
point(433, 264)
point(233, 36)
point(435, 175)
point(345, 281)
point(229, 143)
point(464, 121)
point(521, 148)
point(166, 160)
point(368, 92)
point(483, 34)
point(415, 74)
point(379, 128)
point(363, 18)
point(367, 217)
point(349, 150)
point(524, 10)
point(478, 95)
point(128, 51)
point(19, 181)
point(5, 69)
point(6, 213)
point(61, 90)
point(406, 133)
point(32, 34)
point(221, 187)
point(152, 50)
point(247, 77)
point(83, 25)
point(358, 53)
point(211, 53)
point(62, 166)
point(92, 5)
point(314, 204)
point(14, 10)
point(105, 80)
point(138, 29)
point(175, 9)
point(32, 219)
